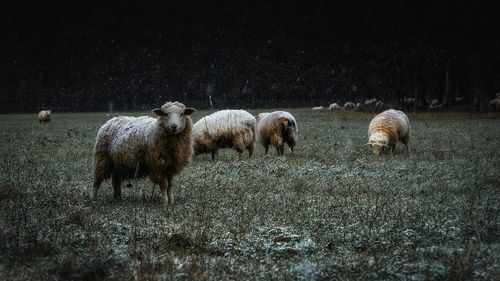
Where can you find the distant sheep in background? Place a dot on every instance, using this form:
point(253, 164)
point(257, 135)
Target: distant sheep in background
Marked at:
point(379, 106)
point(225, 129)
point(370, 105)
point(134, 147)
point(386, 129)
point(349, 106)
point(495, 105)
point(44, 116)
point(358, 107)
point(276, 129)
point(317, 108)
point(334, 106)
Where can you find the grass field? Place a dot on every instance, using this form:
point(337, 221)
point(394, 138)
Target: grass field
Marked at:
point(332, 211)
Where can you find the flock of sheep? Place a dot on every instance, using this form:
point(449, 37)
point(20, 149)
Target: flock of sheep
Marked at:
point(372, 105)
point(160, 148)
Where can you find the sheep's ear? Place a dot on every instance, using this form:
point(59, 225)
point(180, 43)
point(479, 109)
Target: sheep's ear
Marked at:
point(189, 111)
point(158, 112)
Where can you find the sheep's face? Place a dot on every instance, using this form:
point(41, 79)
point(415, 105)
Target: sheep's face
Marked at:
point(173, 116)
point(379, 148)
point(378, 143)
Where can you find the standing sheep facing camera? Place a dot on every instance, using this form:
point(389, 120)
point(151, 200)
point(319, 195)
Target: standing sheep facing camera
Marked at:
point(225, 129)
point(386, 129)
point(44, 116)
point(134, 147)
point(277, 128)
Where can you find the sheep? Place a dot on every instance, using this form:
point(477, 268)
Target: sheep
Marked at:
point(317, 108)
point(277, 128)
point(370, 105)
point(135, 147)
point(358, 107)
point(225, 129)
point(334, 106)
point(44, 116)
point(379, 106)
point(349, 106)
point(495, 105)
point(386, 129)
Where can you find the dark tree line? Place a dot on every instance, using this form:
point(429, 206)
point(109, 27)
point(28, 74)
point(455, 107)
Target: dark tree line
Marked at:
point(96, 56)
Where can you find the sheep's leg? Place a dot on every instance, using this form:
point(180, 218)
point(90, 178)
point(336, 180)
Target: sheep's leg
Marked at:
point(97, 184)
point(213, 154)
point(267, 148)
point(101, 172)
point(250, 150)
point(166, 189)
point(163, 188)
point(116, 181)
point(169, 189)
point(238, 155)
point(217, 154)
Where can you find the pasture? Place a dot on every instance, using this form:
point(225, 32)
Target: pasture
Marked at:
point(332, 211)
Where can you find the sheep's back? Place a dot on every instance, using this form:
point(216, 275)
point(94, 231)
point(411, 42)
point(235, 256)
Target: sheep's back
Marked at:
point(392, 122)
point(124, 140)
point(225, 123)
point(269, 123)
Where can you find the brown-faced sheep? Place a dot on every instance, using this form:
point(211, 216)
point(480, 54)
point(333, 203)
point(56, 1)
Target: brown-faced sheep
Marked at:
point(386, 129)
point(277, 128)
point(134, 147)
point(44, 116)
point(349, 105)
point(225, 129)
point(495, 105)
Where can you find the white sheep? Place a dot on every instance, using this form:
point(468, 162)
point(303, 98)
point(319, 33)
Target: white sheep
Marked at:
point(334, 106)
point(349, 105)
point(225, 129)
point(277, 128)
point(386, 129)
point(135, 147)
point(44, 116)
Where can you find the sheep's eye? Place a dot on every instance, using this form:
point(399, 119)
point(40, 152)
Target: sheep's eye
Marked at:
point(166, 115)
point(182, 114)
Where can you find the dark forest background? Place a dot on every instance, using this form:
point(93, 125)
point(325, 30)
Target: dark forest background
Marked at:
point(135, 55)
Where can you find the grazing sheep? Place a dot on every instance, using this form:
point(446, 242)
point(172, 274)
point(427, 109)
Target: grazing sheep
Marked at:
point(495, 105)
point(386, 129)
point(225, 129)
point(44, 116)
point(316, 108)
point(133, 147)
point(370, 105)
point(349, 106)
point(379, 106)
point(277, 128)
point(334, 106)
point(358, 107)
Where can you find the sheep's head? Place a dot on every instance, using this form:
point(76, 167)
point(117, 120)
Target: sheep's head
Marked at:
point(378, 148)
point(379, 143)
point(173, 116)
